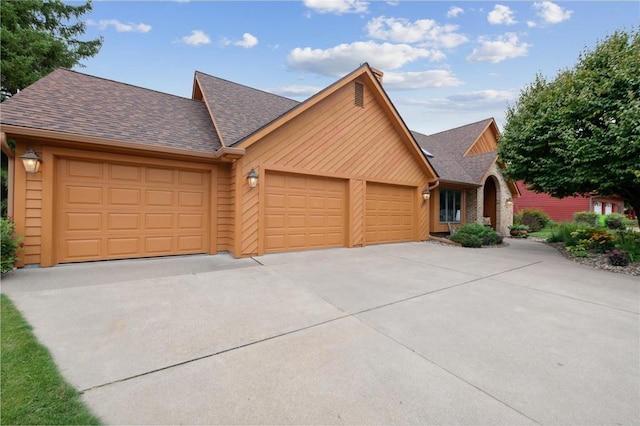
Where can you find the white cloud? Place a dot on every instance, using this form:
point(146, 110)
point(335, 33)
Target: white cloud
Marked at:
point(551, 13)
point(531, 24)
point(248, 41)
point(454, 11)
point(501, 15)
point(196, 38)
point(295, 91)
point(119, 26)
point(503, 47)
point(344, 58)
point(338, 7)
point(478, 99)
point(424, 31)
point(420, 80)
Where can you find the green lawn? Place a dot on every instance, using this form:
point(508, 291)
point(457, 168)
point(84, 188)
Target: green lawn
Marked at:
point(32, 390)
point(543, 233)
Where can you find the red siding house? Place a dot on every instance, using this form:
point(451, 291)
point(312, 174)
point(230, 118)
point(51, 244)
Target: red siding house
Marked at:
point(563, 209)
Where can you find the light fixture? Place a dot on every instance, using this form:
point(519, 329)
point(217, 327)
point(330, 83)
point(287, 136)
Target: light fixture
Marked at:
point(252, 178)
point(426, 194)
point(31, 161)
point(508, 202)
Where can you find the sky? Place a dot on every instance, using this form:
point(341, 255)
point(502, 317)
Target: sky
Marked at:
point(445, 64)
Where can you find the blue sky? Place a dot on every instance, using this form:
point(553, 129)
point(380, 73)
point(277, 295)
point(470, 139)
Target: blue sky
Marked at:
point(445, 64)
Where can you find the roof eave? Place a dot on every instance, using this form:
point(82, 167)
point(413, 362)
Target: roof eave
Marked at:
point(9, 130)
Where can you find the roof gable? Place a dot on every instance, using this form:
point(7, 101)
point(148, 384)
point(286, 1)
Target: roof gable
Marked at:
point(461, 154)
point(238, 110)
point(366, 75)
point(99, 108)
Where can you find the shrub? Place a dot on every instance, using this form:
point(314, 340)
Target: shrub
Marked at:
point(601, 242)
point(586, 218)
point(476, 235)
point(629, 241)
point(467, 240)
point(581, 233)
point(11, 245)
point(615, 221)
point(618, 257)
point(535, 219)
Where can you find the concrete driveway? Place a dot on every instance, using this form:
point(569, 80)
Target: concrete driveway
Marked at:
point(415, 333)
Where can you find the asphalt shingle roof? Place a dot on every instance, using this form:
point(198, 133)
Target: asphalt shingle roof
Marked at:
point(71, 102)
point(448, 150)
point(240, 110)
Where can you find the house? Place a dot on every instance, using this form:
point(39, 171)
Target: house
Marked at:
point(470, 185)
point(129, 172)
point(563, 209)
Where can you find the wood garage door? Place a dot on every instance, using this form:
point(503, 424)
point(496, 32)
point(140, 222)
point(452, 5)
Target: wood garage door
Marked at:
point(114, 211)
point(304, 212)
point(390, 213)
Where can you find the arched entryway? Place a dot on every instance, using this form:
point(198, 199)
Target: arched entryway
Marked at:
point(490, 201)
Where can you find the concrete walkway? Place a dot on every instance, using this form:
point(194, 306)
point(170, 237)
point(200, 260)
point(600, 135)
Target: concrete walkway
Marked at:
point(415, 333)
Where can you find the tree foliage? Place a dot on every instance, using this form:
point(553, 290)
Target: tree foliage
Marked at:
point(580, 132)
point(39, 36)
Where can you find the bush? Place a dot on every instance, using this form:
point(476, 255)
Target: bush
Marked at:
point(618, 257)
point(476, 235)
point(11, 245)
point(586, 218)
point(629, 241)
point(535, 219)
point(571, 234)
point(602, 242)
point(615, 221)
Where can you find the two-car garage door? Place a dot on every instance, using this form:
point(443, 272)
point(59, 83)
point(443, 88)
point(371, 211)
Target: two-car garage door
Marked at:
point(307, 212)
point(110, 210)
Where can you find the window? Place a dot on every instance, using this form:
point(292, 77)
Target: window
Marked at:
point(450, 206)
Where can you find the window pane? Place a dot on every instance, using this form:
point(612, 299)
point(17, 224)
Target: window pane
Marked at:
point(450, 206)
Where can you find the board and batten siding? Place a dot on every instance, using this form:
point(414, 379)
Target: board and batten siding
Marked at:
point(225, 211)
point(337, 139)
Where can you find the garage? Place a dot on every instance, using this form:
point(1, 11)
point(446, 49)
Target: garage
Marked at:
point(304, 212)
point(390, 215)
point(109, 210)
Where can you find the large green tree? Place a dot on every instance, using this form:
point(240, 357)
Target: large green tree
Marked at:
point(37, 36)
point(580, 132)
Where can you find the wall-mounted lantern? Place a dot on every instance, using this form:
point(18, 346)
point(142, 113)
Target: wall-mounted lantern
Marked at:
point(252, 178)
point(426, 194)
point(508, 202)
point(31, 161)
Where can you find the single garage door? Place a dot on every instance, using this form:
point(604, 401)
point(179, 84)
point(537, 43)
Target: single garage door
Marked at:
point(390, 213)
point(304, 212)
point(115, 211)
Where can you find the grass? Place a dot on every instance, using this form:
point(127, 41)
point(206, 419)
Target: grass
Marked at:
point(32, 390)
point(543, 233)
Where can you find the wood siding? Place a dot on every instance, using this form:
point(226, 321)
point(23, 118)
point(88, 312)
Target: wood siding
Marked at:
point(334, 138)
point(225, 214)
point(486, 143)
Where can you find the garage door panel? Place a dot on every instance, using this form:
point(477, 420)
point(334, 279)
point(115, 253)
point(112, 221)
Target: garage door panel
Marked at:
point(191, 199)
point(123, 246)
point(190, 221)
point(390, 213)
point(164, 176)
point(191, 178)
point(83, 169)
point(118, 172)
point(134, 211)
point(159, 245)
point(83, 195)
point(159, 198)
point(304, 212)
point(87, 248)
point(190, 243)
point(124, 197)
point(123, 221)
